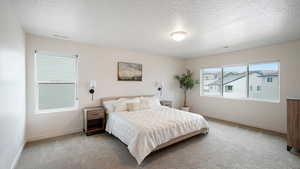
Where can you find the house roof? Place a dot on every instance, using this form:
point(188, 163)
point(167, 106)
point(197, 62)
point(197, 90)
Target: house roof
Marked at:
point(231, 76)
point(267, 74)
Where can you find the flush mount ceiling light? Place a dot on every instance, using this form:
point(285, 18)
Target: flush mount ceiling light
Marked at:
point(178, 36)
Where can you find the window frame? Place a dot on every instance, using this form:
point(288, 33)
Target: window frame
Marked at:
point(37, 84)
point(247, 81)
point(202, 84)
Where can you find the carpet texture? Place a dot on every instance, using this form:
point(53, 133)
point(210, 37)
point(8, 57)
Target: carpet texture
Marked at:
point(225, 147)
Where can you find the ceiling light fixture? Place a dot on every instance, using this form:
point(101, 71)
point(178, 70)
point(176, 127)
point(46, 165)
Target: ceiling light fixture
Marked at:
point(178, 36)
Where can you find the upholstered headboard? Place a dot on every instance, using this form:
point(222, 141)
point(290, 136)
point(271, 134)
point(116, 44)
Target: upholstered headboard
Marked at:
point(119, 97)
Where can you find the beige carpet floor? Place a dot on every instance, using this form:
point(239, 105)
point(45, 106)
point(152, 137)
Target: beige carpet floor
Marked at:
point(225, 147)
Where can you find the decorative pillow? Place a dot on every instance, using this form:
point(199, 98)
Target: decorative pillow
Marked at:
point(109, 105)
point(134, 106)
point(121, 104)
point(144, 104)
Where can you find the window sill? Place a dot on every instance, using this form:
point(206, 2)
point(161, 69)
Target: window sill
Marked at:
point(47, 111)
point(244, 99)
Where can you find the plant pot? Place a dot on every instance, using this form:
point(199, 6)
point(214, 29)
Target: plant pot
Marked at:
point(186, 109)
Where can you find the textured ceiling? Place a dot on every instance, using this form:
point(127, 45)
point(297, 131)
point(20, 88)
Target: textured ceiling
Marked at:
point(145, 25)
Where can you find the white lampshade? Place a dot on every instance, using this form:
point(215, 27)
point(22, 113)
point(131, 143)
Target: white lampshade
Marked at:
point(92, 84)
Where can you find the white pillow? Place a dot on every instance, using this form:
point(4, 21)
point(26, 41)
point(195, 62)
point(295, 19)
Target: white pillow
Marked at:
point(109, 105)
point(121, 104)
point(153, 102)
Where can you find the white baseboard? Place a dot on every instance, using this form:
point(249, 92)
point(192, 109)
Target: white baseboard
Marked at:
point(18, 155)
point(52, 134)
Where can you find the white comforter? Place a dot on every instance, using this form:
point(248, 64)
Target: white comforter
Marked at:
point(142, 131)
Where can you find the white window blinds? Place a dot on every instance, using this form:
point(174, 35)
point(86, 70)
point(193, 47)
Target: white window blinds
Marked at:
point(56, 81)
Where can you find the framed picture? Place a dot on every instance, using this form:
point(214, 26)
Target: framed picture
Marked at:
point(129, 71)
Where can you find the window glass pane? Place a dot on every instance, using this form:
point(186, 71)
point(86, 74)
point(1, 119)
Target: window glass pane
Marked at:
point(235, 81)
point(211, 81)
point(264, 81)
point(56, 68)
point(53, 96)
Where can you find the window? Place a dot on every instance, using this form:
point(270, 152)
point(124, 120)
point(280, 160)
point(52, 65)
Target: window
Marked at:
point(212, 81)
point(236, 77)
point(258, 88)
point(56, 81)
point(229, 88)
point(254, 81)
point(269, 79)
point(266, 77)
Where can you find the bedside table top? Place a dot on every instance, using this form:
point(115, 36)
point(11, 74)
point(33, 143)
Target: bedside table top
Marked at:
point(94, 108)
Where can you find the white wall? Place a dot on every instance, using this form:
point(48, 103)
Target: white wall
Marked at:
point(271, 116)
point(12, 87)
point(98, 64)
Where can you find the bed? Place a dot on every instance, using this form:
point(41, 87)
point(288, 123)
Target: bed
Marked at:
point(150, 129)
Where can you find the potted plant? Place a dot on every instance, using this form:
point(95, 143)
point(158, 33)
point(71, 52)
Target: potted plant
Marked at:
point(186, 83)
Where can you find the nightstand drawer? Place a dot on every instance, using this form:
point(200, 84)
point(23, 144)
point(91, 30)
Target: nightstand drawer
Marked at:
point(95, 114)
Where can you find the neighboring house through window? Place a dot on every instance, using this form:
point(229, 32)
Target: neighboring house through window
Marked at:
point(265, 76)
point(234, 77)
point(258, 88)
point(211, 82)
point(256, 81)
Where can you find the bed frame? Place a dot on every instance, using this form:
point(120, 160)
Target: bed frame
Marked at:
point(171, 142)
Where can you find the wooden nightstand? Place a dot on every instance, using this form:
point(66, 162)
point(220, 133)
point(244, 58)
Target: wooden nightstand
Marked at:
point(94, 120)
point(166, 103)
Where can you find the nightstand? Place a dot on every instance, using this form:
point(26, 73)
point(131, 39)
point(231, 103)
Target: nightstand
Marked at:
point(166, 103)
point(94, 120)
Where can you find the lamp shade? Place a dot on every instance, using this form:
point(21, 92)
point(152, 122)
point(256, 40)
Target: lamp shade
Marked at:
point(93, 84)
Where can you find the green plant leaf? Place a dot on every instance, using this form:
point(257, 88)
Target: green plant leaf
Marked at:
point(186, 80)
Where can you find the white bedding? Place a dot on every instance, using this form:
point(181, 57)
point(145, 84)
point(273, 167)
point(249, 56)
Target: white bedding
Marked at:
point(142, 131)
